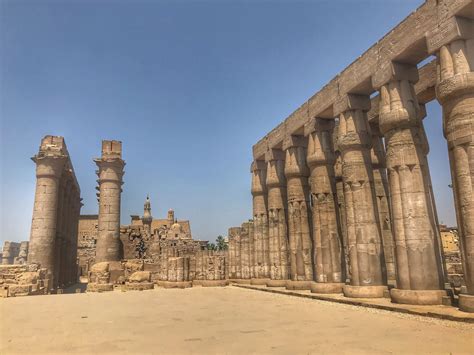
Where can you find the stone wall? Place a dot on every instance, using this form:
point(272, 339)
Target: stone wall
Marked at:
point(23, 280)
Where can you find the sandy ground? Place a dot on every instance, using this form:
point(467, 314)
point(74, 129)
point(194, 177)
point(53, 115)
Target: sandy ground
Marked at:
point(216, 320)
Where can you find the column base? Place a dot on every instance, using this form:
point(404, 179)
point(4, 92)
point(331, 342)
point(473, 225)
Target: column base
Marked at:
point(240, 281)
point(210, 283)
point(176, 284)
point(298, 285)
point(93, 287)
point(417, 297)
point(138, 286)
point(364, 291)
point(327, 287)
point(259, 282)
point(466, 303)
point(277, 283)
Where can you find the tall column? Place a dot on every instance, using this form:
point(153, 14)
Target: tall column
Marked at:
point(341, 208)
point(419, 272)
point(252, 251)
point(381, 192)
point(299, 223)
point(245, 251)
point(455, 92)
point(327, 255)
point(277, 218)
point(110, 187)
point(231, 253)
point(49, 168)
point(260, 218)
point(363, 233)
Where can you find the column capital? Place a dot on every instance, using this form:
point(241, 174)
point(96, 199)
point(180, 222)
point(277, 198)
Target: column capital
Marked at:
point(318, 124)
point(49, 165)
point(274, 154)
point(351, 102)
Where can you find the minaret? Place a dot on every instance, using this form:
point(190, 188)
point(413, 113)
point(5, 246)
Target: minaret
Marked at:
point(147, 218)
point(170, 217)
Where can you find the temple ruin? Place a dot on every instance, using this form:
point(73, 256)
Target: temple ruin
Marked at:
point(342, 196)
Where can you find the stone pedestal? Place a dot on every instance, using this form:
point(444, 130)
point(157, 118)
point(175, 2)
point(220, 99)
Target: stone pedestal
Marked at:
point(298, 285)
point(277, 283)
point(455, 92)
point(327, 287)
point(363, 233)
point(277, 215)
point(419, 271)
point(364, 291)
point(299, 222)
point(327, 253)
point(259, 281)
point(110, 175)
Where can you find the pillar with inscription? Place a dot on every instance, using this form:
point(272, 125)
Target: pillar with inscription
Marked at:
point(381, 192)
point(50, 163)
point(277, 218)
point(260, 219)
point(299, 222)
point(363, 233)
point(455, 92)
point(419, 271)
point(327, 253)
point(110, 187)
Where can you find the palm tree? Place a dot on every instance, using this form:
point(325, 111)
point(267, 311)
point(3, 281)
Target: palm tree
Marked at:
point(221, 243)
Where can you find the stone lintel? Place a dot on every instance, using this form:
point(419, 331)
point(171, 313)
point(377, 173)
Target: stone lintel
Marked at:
point(274, 154)
point(111, 149)
point(450, 30)
point(294, 141)
point(395, 71)
point(351, 102)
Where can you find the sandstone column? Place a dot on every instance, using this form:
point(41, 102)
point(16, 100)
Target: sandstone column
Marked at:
point(455, 92)
point(110, 187)
point(245, 251)
point(277, 218)
point(363, 234)
point(419, 272)
point(381, 192)
point(252, 252)
point(327, 255)
point(49, 168)
point(260, 217)
point(299, 223)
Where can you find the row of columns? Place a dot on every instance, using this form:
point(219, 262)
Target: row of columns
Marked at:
point(349, 216)
point(53, 238)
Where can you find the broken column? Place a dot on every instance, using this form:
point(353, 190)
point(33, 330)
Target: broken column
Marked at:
point(50, 162)
point(260, 219)
point(363, 234)
point(110, 175)
point(299, 223)
point(455, 92)
point(245, 251)
point(327, 253)
point(277, 218)
point(419, 272)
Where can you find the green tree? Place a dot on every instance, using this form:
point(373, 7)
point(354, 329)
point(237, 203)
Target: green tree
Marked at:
point(221, 243)
point(211, 246)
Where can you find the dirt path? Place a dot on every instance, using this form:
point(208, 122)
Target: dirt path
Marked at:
point(216, 320)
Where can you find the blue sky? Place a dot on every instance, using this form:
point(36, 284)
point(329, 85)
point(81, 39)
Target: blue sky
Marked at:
point(188, 86)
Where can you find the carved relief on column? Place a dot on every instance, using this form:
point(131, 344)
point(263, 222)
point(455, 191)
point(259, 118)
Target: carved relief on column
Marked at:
point(419, 272)
point(49, 167)
point(110, 187)
point(381, 192)
point(277, 218)
point(260, 218)
point(363, 233)
point(299, 222)
point(245, 251)
point(327, 254)
point(455, 92)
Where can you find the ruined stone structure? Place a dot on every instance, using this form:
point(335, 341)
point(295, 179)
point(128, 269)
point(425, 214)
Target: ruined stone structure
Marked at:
point(110, 175)
point(53, 239)
point(364, 206)
point(10, 251)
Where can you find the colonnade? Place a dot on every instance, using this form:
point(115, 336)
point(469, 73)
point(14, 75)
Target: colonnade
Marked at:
point(347, 204)
point(53, 238)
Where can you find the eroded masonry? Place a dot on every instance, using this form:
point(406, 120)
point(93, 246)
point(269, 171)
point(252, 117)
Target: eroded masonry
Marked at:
point(342, 195)
point(343, 200)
